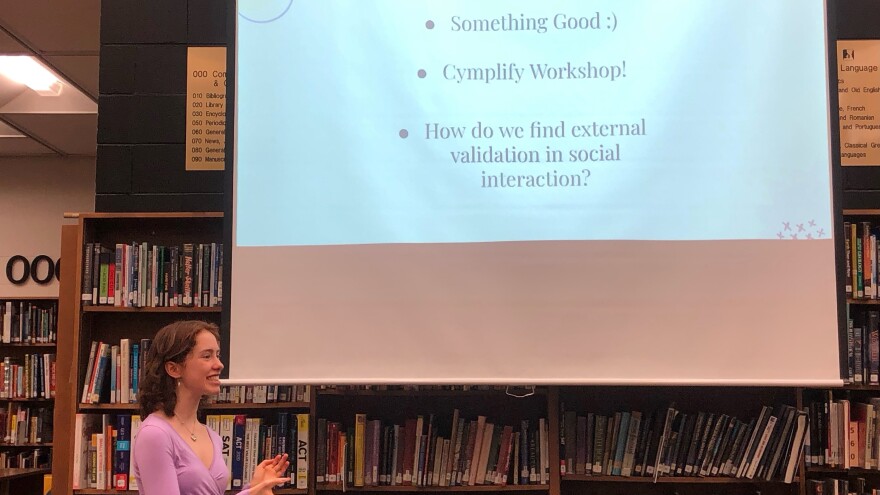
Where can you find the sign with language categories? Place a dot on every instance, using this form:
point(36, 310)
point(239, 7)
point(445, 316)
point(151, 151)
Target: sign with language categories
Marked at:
point(858, 89)
point(206, 108)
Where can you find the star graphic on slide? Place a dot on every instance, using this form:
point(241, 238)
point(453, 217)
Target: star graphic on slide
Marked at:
point(821, 233)
point(786, 226)
point(800, 227)
point(809, 236)
point(812, 223)
point(793, 236)
point(780, 235)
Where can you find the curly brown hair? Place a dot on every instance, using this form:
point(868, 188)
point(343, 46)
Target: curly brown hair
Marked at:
point(157, 389)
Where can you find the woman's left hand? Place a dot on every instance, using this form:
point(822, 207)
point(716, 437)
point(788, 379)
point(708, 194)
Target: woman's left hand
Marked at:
point(270, 468)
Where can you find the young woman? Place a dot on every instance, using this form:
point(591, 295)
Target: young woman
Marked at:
point(173, 453)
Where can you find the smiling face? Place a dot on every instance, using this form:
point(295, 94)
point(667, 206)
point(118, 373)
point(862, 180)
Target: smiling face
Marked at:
point(200, 372)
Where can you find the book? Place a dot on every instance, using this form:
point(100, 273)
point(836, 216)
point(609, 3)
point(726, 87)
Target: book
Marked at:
point(302, 451)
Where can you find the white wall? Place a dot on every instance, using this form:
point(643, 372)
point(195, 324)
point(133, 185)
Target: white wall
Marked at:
point(34, 194)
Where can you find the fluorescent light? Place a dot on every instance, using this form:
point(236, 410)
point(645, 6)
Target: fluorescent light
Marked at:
point(26, 70)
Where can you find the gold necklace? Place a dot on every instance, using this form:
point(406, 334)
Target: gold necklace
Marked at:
point(192, 432)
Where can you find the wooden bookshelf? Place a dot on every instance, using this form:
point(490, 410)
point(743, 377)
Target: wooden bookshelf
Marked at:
point(22, 480)
point(116, 309)
point(277, 491)
point(867, 302)
point(83, 323)
point(252, 406)
point(717, 480)
point(853, 386)
point(27, 345)
point(839, 471)
point(409, 488)
point(17, 351)
point(206, 407)
point(539, 391)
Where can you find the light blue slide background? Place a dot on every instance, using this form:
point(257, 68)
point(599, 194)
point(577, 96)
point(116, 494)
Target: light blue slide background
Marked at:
point(733, 93)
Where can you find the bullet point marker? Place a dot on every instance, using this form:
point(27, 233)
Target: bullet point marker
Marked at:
point(403, 133)
point(429, 24)
point(422, 73)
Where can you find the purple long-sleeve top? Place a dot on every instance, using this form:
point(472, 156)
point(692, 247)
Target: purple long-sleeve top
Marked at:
point(164, 464)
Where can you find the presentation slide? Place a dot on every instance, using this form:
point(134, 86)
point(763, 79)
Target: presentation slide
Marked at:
point(452, 175)
point(459, 121)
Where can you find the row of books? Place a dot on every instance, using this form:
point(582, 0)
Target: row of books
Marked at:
point(863, 346)
point(20, 424)
point(249, 440)
point(832, 486)
point(36, 458)
point(425, 452)
point(28, 321)
point(860, 244)
point(846, 434)
point(260, 394)
point(113, 372)
point(148, 275)
point(103, 445)
point(102, 451)
point(675, 443)
point(32, 379)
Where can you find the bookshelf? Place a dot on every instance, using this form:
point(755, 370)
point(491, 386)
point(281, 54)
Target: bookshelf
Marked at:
point(28, 333)
point(90, 321)
point(397, 425)
point(84, 322)
point(694, 408)
point(833, 411)
point(80, 325)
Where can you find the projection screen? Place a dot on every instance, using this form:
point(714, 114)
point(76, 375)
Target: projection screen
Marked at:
point(529, 192)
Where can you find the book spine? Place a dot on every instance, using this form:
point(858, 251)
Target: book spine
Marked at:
point(122, 454)
point(86, 293)
point(238, 434)
point(848, 257)
point(302, 451)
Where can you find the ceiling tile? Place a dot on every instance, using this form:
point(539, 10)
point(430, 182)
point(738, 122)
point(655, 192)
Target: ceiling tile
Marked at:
point(9, 46)
point(17, 146)
point(71, 100)
point(7, 131)
point(74, 134)
point(54, 25)
point(83, 70)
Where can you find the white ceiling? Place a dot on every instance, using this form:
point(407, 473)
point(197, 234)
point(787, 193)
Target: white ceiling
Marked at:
point(65, 36)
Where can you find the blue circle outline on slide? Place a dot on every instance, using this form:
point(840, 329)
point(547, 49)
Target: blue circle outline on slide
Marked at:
point(289, 3)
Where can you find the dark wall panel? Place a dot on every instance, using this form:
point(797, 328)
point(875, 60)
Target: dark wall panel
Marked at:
point(158, 202)
point(207, 22)
point(142, 105)
point(858, 19)
point(137, 22)
point(150, 176)
point(113, 174)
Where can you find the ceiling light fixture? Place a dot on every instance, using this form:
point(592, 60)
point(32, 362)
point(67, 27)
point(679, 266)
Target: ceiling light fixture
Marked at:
point(26, 70)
